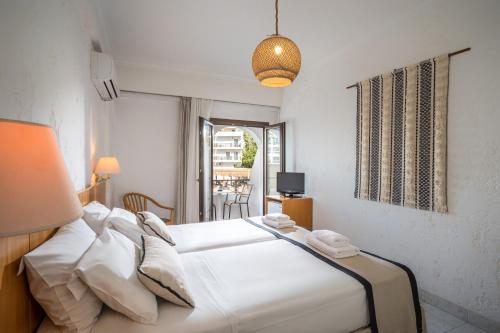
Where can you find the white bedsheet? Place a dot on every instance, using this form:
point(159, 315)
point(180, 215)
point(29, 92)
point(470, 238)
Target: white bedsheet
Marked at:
point(261, 287)
point(202, 236)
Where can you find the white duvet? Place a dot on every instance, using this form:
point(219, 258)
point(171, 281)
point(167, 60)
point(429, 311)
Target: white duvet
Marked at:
point(193, 237)
point(269, 286)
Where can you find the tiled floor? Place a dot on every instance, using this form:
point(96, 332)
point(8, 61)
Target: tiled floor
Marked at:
point(439, 321)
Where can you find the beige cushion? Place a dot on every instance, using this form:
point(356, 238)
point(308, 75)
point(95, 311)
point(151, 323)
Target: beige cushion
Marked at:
point(109, 269)
point(154, 226)
point(161, 271)
point(126, 223)
point(53, 282)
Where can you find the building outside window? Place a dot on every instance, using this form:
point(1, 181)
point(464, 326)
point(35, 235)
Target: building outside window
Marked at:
point(228, 145)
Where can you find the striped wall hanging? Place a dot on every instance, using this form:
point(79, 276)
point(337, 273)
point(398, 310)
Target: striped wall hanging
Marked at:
point(401, 132)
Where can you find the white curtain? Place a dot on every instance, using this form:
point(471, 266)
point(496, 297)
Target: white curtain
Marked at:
point(188, 189)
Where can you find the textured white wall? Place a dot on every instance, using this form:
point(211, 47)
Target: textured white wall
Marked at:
point(455, 256)
point(144, 138)
point(45, 78)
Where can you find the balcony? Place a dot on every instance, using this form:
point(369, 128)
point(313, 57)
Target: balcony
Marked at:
point(219, 145)
point(229, 134)
point(224, 158)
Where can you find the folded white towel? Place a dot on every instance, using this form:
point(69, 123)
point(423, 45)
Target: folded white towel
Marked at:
point(277, 224)
point(334, 252)
point(277, 217)
point(331, 238)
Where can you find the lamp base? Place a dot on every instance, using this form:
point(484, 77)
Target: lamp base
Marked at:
point(102, 178)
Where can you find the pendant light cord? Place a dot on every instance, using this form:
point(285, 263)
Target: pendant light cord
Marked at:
point(276, 16)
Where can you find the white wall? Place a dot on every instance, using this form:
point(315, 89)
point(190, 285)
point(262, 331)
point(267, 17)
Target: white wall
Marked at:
point(242, 111)
point(45, 78)
point(144, 140)
point(454, 256)
point(158, 80)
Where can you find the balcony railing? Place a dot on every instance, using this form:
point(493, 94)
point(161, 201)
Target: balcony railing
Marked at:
point(228, 184)
point(226, 158)
point(226, 145)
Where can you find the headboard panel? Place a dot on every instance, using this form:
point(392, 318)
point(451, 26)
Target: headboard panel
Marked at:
point(19, 312)
point(96, 192)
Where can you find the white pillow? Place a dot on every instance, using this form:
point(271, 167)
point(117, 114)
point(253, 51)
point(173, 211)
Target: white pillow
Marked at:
point(125, 222)
point(109, 269)
point(154, 226)
point(122, 214)
point(54, 283)
point(161, 271)
point(94, 214)
point(47, 326)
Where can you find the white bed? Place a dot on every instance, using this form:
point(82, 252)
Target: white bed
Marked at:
point(256, 288)
point(193, 237)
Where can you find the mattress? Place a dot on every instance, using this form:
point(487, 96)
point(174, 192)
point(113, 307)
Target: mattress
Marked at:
point(202, 236)
point(262, 287)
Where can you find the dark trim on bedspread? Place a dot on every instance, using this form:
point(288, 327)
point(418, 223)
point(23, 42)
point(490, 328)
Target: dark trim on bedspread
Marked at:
point(362, 280)
point(414, 288)
point(366, 284)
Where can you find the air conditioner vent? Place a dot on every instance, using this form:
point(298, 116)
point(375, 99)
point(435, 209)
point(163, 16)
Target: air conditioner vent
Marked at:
point(104, 76)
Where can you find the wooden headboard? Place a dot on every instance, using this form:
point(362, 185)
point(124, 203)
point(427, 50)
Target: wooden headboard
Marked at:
point(19, 312)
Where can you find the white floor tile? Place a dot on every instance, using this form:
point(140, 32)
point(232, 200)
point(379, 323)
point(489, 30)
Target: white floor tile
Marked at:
point(439, 321)
point(466, 329)
point(435, 325)
point(435, 313)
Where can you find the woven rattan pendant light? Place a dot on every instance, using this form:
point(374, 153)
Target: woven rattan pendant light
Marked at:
point(276, 60)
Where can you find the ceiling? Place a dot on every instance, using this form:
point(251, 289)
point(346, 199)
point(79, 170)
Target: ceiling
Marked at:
point(218, 37)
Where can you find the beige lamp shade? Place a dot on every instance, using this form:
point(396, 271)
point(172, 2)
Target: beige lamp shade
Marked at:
point(36, 191)
point(276, 61)
point(107, 165)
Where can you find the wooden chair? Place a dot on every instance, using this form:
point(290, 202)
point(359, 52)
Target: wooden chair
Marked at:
point(138, 202)
point(241, 198)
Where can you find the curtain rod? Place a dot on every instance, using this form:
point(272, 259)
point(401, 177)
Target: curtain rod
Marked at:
point(215, 100)
point(449, 55)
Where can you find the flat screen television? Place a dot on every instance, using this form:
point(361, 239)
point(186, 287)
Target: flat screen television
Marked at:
point(290, 183)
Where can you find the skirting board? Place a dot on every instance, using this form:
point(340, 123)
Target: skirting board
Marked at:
point(458, 311)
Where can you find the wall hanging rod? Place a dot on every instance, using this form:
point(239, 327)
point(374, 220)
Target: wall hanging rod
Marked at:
point(449, 55)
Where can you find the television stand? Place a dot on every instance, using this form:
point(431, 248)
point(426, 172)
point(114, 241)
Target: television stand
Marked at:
point(292, 195)
point(298, 208)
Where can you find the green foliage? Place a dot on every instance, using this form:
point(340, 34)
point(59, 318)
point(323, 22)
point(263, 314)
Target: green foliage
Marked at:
point(249, 151)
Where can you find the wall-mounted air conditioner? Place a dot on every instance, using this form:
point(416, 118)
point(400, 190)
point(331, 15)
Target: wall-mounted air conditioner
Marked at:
point(103, 74)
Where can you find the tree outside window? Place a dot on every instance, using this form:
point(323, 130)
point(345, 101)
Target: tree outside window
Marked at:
point(249, 151)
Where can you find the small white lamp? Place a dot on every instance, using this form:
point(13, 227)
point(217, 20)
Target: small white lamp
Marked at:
point(106, 166)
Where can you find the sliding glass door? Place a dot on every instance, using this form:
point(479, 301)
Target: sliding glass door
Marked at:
point(205, 169)
point(274, 156)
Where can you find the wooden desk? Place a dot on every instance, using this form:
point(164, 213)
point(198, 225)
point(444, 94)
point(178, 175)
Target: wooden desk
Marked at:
point(299, 209)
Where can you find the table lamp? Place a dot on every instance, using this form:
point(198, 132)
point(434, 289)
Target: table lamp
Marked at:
point(36, 191)
point(106, 166)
